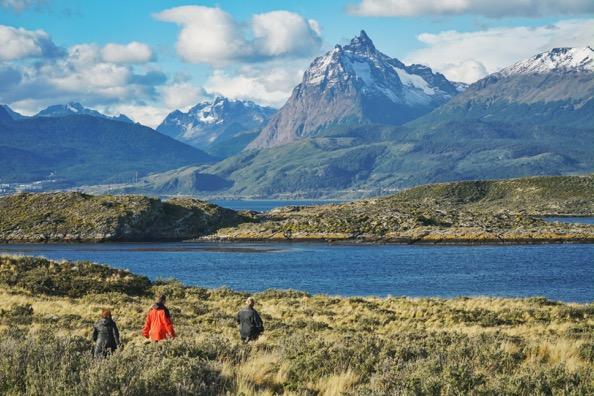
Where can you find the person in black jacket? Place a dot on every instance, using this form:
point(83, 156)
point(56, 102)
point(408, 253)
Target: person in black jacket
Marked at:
point(105, 335)
point(250, 323)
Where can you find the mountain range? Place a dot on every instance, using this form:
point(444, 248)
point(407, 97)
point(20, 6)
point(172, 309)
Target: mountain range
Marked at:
point(222, 126)
point(84, 148)
point(63, 110)
point(359, 124)
point(535, 117)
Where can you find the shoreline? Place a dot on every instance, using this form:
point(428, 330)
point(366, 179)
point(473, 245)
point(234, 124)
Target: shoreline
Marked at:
point(4, 256)
point(327, 241)
point(502, 345)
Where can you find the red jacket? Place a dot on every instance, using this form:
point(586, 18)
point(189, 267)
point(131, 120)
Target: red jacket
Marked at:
point(158, 325)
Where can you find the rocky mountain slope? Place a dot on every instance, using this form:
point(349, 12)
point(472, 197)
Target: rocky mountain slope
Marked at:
point(221, 126)
point(552, 88)
point(355, 84)
point(86, 149)
point(76, 217)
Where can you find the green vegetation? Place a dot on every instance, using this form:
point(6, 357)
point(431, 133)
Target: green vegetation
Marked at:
point(500, 211)
point(88, 150)
point(370, 160)
point(313, 344)
point(538, 196)
point(74, 216)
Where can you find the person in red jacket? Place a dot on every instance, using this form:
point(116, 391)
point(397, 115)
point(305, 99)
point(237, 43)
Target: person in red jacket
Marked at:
point(158, 325)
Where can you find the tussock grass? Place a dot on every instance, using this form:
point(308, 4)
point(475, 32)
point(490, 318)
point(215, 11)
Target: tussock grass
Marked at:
point(313, 344)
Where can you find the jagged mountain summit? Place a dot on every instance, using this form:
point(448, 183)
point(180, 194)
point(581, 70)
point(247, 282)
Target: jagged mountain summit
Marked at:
point(209, 124)
point(574, 60)
point(74, 108)
point(356, 84)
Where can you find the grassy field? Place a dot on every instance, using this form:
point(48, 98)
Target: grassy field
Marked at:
point(313, 344)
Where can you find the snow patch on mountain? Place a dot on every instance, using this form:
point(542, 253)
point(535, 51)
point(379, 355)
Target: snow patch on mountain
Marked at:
point(555, 60)
point(74, 108)
point(351, 84)
point(212, 121)
point(378, 73)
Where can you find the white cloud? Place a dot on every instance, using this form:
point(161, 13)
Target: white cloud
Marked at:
point(181, 95)
point(80, 74)
point(210, 35)
point(19, 43)
point(148, 115)
point(488, 8)
point(283, 32)
point(133, 52)
point(468, 56)
point(264, 84)
point(20, 5)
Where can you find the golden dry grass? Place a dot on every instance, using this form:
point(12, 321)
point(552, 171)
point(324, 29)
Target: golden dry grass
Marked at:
point(323, 345)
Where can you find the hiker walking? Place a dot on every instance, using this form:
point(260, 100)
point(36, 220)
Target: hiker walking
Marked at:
point(250, 323)
point(158, 325)
point(105, 335)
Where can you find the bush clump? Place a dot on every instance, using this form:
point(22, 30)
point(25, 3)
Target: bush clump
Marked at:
point(41, 276)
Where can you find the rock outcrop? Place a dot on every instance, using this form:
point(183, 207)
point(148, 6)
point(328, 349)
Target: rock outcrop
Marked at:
point(76, 217)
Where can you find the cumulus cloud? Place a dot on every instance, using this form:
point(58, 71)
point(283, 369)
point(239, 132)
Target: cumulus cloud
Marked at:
point(210, 35)
point(488, 8)
point(133, 52)
point(19, 43)
point(20, 5)
point(283, 32)
point(469, 56)
point(265, 84)
point(149, 115)
point(80, 74)
point(181, 95)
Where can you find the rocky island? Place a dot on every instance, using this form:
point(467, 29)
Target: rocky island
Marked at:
point(77, 217)
point(499, 211)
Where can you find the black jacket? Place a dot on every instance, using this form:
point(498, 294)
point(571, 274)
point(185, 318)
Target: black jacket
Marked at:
point(250, 323)
point(106, 337)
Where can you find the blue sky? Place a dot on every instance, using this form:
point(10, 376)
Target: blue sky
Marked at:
point(180, 58)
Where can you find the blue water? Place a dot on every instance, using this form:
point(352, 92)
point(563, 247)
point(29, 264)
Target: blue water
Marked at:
point(559, 272)
point(266, 205)
point(579, 220)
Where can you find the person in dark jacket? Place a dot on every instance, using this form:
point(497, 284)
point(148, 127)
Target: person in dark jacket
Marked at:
point(158, 325)
point(105, 335)
point(250, 323)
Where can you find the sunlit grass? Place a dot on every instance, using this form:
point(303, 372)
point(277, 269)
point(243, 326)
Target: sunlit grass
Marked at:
point(318, 345)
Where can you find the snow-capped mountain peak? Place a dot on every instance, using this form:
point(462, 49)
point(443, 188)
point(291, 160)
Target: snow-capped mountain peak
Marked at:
point(211, 121)
point(376, 73)
point(555, 60)
point(74, 108)
point(355, 83)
